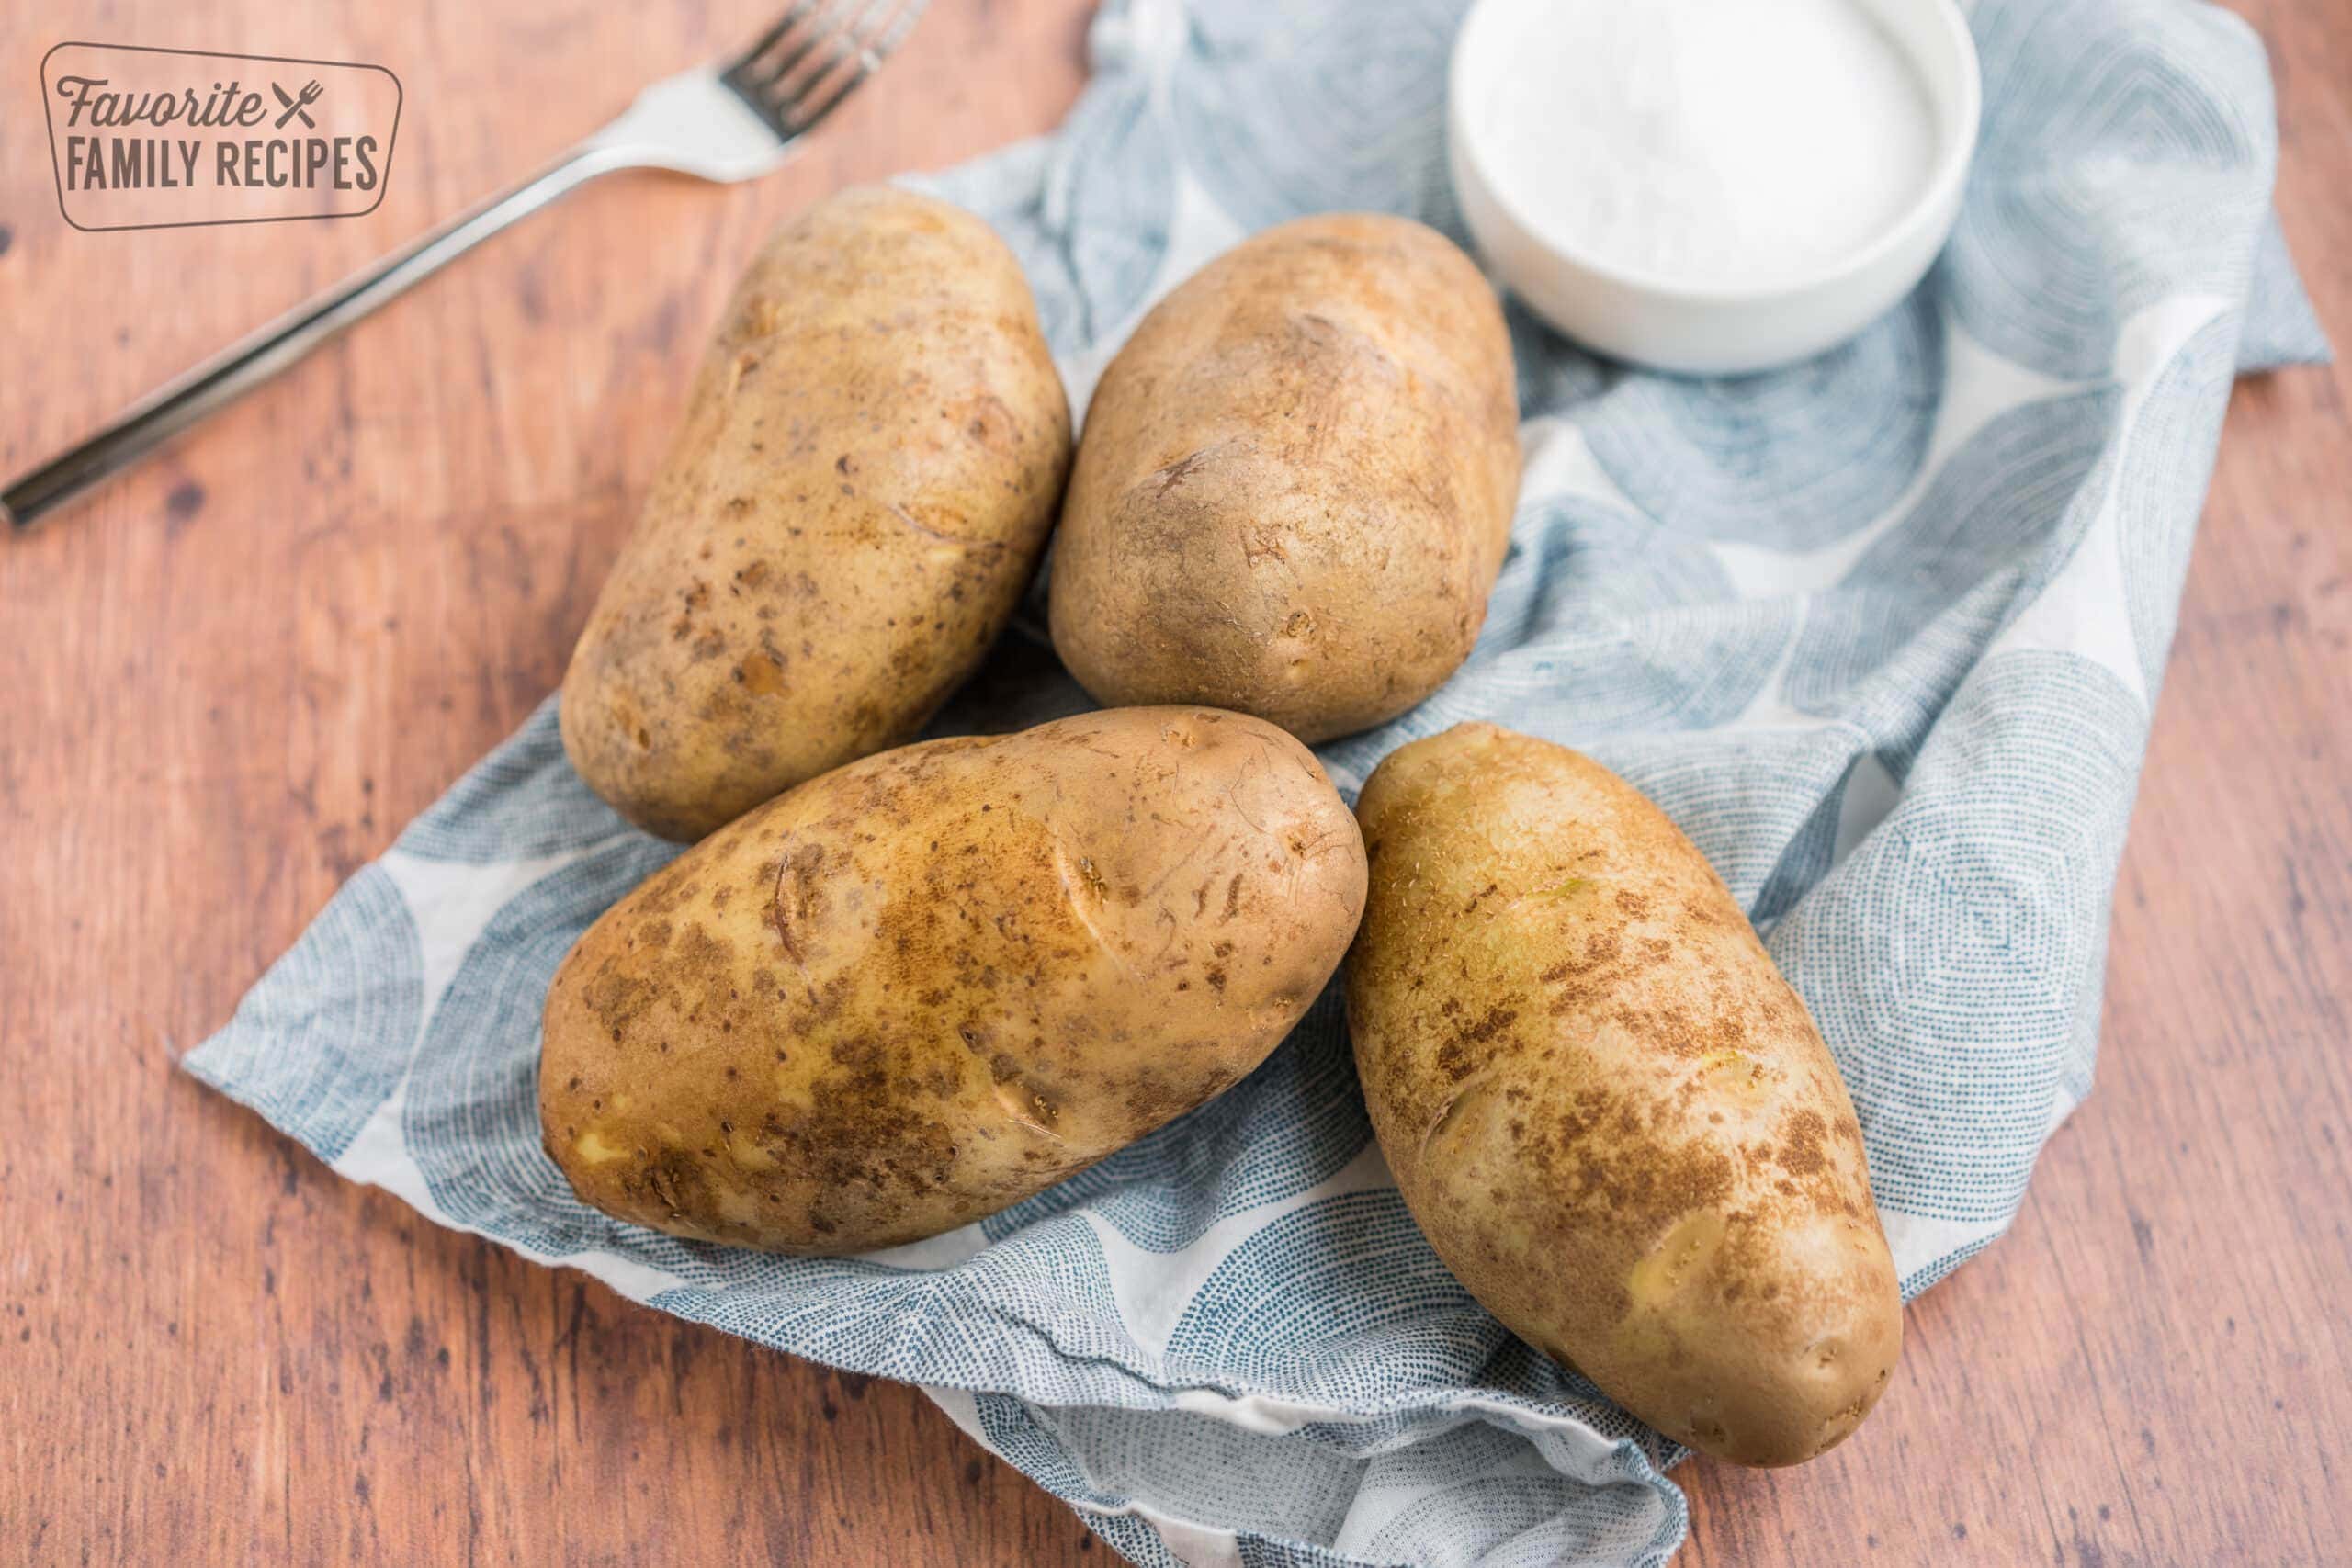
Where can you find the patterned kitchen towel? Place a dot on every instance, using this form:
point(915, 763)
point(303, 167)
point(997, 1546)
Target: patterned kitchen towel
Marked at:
point(1881, 632)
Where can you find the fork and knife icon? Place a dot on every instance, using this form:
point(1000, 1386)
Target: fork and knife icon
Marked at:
point(298, 106)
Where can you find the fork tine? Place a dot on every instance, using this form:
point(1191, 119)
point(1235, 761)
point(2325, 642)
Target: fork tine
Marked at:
point(824, 19)
point(804, 117)
point(866, 60)
point(855, 18)
point(858, 56)
point(792, 16)
point(800, 70)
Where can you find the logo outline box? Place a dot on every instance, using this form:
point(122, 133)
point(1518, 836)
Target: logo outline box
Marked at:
point(57, 174)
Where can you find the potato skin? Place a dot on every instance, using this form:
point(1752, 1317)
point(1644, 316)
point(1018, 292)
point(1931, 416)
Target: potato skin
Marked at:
point(937, 980)
point(1295, 484)
point(865, 477)
point(1609, 1111)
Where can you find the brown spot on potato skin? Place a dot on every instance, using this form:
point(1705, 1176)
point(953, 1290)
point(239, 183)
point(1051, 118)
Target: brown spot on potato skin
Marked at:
point(1295, 484)
point(1466, 1049)
point(944, 978)
point(1802, 1154)
point(875, 444)
point(761, 674)
point(1666, 1078)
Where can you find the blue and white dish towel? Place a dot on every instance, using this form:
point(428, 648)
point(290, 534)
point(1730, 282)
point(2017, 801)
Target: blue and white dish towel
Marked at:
point(1881, 632)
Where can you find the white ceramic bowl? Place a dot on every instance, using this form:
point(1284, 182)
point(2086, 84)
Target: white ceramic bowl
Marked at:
point(1711, 329)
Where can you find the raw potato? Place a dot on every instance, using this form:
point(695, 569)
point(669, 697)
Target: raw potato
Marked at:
point(1296, 482)
point(864, 481)
point(933, 981)
point(1612, 1117)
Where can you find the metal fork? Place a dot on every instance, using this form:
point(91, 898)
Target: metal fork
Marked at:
point(732, 120)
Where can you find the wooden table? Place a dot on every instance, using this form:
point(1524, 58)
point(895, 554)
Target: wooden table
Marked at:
point(227, 680)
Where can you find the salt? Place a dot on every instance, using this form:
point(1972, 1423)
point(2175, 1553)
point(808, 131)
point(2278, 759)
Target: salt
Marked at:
point(1708, 142)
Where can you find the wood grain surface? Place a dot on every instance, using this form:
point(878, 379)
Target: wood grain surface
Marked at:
point(227, 680)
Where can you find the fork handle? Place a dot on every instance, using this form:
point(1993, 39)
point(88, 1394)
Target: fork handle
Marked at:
point(251, 360)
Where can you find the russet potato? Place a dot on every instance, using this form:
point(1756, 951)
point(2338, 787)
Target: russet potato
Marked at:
point(1296, 483)
point(869, 467)
point(1610, 1114)
point(934, 981)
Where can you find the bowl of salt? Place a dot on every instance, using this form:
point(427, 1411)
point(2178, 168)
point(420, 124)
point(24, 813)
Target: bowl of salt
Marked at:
point(1711, 186)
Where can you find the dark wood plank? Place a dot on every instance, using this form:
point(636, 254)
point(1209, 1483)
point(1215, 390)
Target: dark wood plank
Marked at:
point(229, 679)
